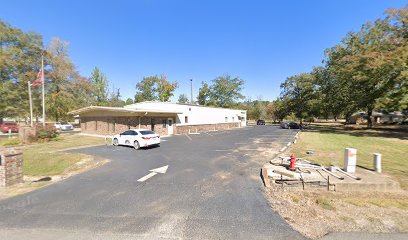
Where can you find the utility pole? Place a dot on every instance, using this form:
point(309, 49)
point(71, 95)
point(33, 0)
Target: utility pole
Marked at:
point(191, 86)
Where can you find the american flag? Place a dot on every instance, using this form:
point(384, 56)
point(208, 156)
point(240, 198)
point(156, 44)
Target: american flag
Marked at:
point(38, 81)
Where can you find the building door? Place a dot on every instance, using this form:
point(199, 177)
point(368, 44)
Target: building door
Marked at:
point(170, 126)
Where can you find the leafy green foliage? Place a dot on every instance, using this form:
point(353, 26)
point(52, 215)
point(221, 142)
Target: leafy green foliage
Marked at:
point(19, 59)
point(204, 94)
point(155, 88)
point(225, 91)
point(183, 99)
point(47, 132)
point(299, 90)
point(100, 87)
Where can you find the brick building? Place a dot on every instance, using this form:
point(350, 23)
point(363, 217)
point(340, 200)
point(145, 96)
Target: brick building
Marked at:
point(165, 118)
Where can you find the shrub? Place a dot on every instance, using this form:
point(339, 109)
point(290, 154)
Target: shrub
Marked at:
point(44, 133)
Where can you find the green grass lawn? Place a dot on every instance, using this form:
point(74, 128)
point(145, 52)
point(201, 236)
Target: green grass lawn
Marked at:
point(41, 159)
point(328, 144)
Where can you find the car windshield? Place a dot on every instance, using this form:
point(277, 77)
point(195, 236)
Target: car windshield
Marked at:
point(64, 123)
point(146, 132)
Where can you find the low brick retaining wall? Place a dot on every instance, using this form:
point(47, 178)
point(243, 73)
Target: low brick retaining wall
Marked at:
point(11, 166)
point(204, 128)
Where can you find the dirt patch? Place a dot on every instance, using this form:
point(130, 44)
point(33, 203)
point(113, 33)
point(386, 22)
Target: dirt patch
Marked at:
point(316, 212)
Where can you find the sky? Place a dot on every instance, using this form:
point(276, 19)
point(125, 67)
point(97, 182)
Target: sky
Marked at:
point(262, 42)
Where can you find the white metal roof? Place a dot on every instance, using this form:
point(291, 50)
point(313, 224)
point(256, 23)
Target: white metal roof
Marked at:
point(120, 109)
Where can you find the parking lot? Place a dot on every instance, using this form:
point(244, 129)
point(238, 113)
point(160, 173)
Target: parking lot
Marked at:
point(203, 186)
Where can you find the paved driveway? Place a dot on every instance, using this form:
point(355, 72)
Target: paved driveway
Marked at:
point(211, 190)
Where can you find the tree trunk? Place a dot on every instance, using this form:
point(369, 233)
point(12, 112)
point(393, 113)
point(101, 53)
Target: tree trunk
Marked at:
point(335, 118)
point(369, 114)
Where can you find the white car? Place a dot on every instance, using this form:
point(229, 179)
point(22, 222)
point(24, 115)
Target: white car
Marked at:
point(137, 138)
point(63, 126)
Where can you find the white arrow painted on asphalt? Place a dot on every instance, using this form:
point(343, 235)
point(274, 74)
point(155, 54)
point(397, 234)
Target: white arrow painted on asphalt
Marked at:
point(160, 169)
point(154, 172)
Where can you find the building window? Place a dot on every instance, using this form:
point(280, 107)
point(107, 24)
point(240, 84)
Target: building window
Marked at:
point(186, 119)
point(226, 119)
point(164, 122)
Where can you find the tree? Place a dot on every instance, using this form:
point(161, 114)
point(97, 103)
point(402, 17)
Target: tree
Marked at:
point(334, 96)
point(204, 94)
point(20, 60)
point(115, 99)
point(129, 101)
point(165, 89)
point(281, 109)
point(155, 88)
point(61, 74)
point(374, 60)
point(270, 111)
point(100, 84)
point(299, 91)
point(183, 98)
point(225, 91)
point(83, 92)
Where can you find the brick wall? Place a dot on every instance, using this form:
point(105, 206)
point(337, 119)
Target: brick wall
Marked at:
point(11, 166)
point(115, 125)
point(204, 128)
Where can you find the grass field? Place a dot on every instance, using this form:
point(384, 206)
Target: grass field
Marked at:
point(42, 159)
point(328, 144)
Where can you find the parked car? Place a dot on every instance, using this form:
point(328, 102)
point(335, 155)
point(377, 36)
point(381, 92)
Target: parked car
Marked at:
point(6, 126)
point(63, 126)
point(260, 122)
point(137, 138)
point(291, 125)
point(284, 125)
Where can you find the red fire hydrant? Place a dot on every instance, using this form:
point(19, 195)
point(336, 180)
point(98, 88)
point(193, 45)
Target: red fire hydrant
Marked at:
point(292, 162)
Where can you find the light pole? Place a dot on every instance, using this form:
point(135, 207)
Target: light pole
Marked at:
point(191, 90)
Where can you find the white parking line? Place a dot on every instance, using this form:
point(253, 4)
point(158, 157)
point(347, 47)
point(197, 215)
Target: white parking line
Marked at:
point(209, 134)
point(188, 137)
point(224, 150)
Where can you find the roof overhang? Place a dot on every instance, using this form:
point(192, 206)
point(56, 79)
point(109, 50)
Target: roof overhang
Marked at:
point(119, 111)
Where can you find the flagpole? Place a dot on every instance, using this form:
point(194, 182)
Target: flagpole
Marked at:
point(43, 88)
point(31, 104)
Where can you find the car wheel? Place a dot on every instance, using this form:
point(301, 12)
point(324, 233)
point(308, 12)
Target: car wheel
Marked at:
point(136, 145)
point(115, 142)
point(127, 142)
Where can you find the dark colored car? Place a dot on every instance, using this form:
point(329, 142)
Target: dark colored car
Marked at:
point(260, 122)
point(6, 126)
point(284, 125)
point(293, 125)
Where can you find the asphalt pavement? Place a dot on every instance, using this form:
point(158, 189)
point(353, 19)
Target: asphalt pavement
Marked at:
point(211, 190)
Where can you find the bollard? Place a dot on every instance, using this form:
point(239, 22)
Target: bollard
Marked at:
point(377, 162)
point(9, 133)
point(350, 160)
